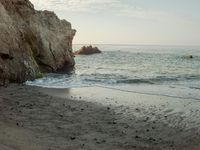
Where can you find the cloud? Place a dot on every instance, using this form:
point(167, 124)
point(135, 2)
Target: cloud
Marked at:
point(111, 7)
point(74, 5)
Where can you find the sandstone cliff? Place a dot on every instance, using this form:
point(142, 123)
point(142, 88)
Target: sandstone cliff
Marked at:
point(32, 41)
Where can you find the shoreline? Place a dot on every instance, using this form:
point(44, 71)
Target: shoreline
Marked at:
point(95, 118)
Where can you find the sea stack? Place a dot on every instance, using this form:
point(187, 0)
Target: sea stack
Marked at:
point(32, 41)
point(87, 50)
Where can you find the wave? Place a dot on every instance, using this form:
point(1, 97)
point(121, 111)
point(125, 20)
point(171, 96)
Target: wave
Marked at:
point(150, 93)
point(196, 88)
point(106, 79)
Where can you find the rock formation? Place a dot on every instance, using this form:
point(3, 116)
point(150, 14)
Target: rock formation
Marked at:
point(87, 50)
point(32, 41)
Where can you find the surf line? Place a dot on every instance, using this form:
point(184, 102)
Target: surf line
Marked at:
point(152, 94)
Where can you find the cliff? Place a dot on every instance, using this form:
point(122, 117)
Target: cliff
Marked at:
point(32, 41)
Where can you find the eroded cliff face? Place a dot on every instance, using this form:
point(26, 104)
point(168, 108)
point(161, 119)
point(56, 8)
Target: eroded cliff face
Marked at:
point(32, 41)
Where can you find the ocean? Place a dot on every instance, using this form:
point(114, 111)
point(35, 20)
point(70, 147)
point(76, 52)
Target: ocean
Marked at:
point(153, 70)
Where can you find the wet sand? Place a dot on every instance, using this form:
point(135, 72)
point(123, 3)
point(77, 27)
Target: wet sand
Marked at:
point(95, 118)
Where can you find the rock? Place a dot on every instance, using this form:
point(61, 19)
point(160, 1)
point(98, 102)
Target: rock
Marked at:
point(87, 50)
point(32, 42)
point(188, 56)
point(72, 137)
point(137, 137)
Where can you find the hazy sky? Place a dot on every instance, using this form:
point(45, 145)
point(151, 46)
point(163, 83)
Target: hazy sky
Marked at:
point(163, 22)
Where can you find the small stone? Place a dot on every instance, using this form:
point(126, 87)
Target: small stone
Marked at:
point(98, 142)
point(72, 137)
point(61, 116)
point(103, 141)
point(114, 122)
point(137, 137)
point(152, 139)
point(137, 109)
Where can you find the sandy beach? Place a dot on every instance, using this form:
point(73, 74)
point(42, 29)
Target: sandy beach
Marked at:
point(95, 118)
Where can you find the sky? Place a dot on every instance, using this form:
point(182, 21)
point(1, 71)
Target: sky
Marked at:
point(148, 22)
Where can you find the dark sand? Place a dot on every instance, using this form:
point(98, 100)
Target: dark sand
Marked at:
point(95, 118)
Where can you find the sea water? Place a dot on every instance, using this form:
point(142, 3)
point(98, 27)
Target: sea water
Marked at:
point(154, 70)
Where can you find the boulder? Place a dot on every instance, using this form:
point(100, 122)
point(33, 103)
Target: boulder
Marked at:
point(32, 41)
point(87, 50)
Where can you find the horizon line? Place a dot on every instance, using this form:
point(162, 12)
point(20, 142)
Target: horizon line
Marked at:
point(136, 44)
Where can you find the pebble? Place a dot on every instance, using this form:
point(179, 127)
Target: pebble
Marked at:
point(72, 137)
point(61, 116)
point(137, 137)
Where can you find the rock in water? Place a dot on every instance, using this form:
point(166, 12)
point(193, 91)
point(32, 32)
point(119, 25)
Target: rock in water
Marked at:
point(32, 41)
point(87, 50)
